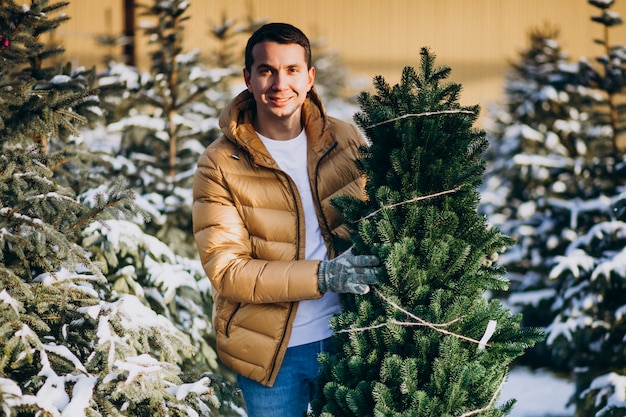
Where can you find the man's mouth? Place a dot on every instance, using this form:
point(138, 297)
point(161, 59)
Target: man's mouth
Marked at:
point(279, 100)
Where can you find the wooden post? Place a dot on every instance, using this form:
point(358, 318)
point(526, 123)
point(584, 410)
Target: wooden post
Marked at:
point(129, 33)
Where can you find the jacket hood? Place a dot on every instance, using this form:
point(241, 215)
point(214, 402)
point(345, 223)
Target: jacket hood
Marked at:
point(236, 123)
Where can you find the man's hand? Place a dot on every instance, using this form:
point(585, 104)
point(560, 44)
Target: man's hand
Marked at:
point(348, 273)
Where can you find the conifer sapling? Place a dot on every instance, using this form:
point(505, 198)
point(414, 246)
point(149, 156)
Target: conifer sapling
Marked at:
point(426, 341)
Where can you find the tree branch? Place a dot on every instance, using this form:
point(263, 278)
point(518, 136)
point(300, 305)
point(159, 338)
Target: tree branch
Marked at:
point(425, 114)
point(411, 200)
point(438, 327)
point(491, 402)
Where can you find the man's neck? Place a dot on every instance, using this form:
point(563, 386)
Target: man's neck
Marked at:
point(278, 130)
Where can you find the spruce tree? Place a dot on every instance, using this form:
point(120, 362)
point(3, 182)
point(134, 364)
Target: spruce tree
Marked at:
point(537, 141)
point(554, 166)
point(587, 335)
point(166, 118)
point(562, 184)
point(70, 345)
point(588, 331)
point(155, 258)
point(537, 136)
point(425, 341)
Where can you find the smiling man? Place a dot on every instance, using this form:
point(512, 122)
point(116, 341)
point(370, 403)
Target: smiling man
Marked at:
point(280, 78)
point(266, 234)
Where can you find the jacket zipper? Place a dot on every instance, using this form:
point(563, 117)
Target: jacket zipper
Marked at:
point(317, 196)
point(321, 211)
point(291, 304)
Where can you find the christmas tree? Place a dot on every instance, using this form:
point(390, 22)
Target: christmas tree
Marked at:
point(538, 136)
point(425, 341)
point(587, 335)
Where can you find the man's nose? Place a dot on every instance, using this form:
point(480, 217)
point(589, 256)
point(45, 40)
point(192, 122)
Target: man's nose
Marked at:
point(280, 80)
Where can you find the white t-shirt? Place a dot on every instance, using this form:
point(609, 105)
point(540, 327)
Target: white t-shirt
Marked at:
point(311, 322)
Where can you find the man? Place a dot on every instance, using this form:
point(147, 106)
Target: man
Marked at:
point(266, 233)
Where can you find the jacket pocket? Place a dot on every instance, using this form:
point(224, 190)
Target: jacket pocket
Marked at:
point(230, 319)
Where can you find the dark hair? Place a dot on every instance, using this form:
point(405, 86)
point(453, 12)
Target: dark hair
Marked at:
point(283, 33)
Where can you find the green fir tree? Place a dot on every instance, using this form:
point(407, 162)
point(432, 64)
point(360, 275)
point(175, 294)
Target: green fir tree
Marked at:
point(420, 343)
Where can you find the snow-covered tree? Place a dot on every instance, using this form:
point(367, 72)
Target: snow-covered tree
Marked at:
point(165, 119)
point(425, 341)
point(608, 77)
point(588, 332)
point(72, 344)
point(555, 182)
point(169, 112)
point(538, 146)
point(536, 151)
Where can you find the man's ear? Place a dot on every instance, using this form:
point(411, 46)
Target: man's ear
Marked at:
point(311, 77)
point(246, 78)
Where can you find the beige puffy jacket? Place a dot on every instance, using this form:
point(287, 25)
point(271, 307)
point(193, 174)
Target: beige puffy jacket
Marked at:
point(249, 228)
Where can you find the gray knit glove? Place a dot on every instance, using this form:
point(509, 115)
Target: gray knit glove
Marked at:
point(348, 273)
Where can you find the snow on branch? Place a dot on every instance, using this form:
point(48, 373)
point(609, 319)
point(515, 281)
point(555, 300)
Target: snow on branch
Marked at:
point(577, 206)
point(549, 161)
point(610, 387)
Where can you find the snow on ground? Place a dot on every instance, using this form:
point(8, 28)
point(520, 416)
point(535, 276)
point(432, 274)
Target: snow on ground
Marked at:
point(538, 394)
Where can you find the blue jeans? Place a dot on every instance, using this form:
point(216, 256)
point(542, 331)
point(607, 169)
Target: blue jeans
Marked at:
point(295, 386)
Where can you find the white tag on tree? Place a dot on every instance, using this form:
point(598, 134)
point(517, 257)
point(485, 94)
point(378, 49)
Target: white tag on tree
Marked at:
point(491, 327)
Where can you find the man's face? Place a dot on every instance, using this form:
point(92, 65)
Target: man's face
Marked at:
point(279, 80)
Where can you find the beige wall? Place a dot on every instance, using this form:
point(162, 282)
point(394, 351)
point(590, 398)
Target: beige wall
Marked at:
point(474, 37)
